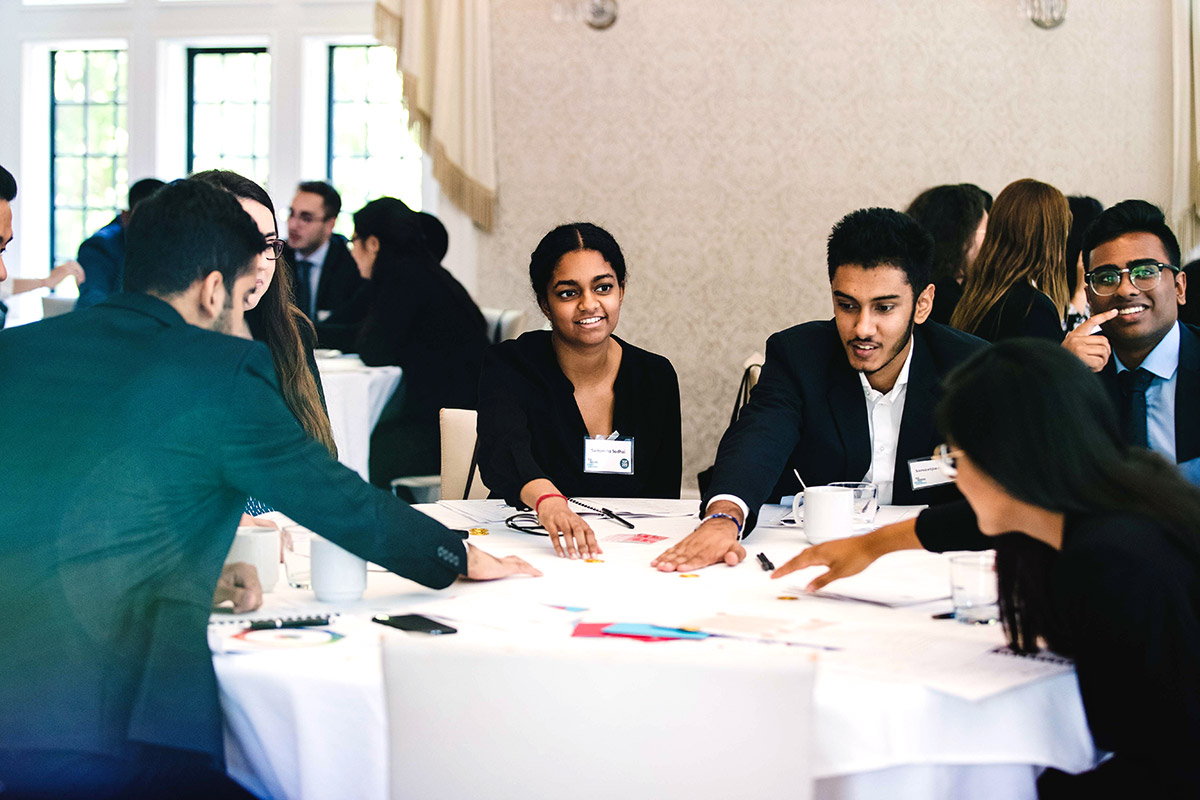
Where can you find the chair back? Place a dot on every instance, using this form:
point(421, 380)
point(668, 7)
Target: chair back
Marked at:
point(458, 456)
point(587, 718)
point(53, 305)
point(503, 323)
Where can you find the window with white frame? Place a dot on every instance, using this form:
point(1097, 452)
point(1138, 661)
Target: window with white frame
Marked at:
point(229, 110)
point(369, 151)
point(89, 144)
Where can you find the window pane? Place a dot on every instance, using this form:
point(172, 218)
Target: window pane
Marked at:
point(91, 139)
point(371, 153)
point(231, 119)
point(70, 135)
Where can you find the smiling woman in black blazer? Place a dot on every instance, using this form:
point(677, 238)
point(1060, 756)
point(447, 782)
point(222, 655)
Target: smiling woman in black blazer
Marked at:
point(543, 394)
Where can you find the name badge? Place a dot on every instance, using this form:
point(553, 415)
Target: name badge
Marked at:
point(611, 456)
point(926, 473)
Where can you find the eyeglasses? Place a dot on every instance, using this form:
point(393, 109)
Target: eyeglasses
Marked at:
point(947, 460)
point(276, 248)
point(1105, 280)
point(305, 216)
point(526, 523)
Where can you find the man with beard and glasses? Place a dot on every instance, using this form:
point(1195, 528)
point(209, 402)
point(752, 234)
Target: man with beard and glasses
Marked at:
point(848, 399)
point(143, 431)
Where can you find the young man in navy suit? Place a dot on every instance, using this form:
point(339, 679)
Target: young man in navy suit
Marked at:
point(1147, 359)
point(848, 399)
point(326, 277)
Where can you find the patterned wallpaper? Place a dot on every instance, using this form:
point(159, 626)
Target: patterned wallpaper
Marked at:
point(720, 140)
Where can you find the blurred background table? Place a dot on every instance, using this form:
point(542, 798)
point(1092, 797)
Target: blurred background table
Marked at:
point(355, 395)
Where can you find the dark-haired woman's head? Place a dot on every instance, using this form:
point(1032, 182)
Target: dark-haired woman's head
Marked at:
point(1084, 211)
point(1035, 432)
point(257, 203)
point(386, 233)
point(577, 273)
point(956, 216)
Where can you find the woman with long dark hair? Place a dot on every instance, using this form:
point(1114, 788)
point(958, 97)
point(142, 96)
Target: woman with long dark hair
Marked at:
point(1097, 555)
point(273, 317)
point(1018, 284)
point(956, 216)
point(416, 316)
point(547, 396)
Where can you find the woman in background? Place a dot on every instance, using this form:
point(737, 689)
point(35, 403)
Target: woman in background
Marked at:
point(543, 394)
point(956, 215)
point(274, 319)
point(416, 316)
point(1018, 284)
point(1097, 554)
point(1084, 211)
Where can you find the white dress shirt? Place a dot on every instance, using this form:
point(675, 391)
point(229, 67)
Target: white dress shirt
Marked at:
point(317, 259)
point(1163, 364)
point(884, 413)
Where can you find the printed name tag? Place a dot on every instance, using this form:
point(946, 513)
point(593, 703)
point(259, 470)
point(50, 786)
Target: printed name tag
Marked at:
point(926, 473)
point(612, 456)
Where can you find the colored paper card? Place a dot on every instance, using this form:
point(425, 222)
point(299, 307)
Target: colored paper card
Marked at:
point(635, 538)
point(641, 629)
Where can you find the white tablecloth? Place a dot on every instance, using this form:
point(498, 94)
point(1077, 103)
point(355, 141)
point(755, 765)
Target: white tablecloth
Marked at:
point(355, 396)
point(310, 723)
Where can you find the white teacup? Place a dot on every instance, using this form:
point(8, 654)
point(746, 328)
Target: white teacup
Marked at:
point(827, 512)
point(338, 576)
point(258, 547)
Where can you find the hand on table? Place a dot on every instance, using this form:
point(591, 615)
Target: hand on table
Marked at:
point(239, 583)
point(577, 536)
point(483, 566)
point(713, 542)
point(844, 557)
point(1092, 349)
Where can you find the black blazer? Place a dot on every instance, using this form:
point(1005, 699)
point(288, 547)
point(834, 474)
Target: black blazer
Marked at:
point(1021, 311)
point(421, 319)
point(808, 412)
point(530, 426)
point(141, 438)
point(339, 280)
point(1187, 393)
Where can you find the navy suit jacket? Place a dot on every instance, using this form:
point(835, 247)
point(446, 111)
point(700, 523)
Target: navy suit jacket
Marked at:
point(102, 256)
point(120, 492)
point(1187, 392)
point(339, 281)
point(808, 412)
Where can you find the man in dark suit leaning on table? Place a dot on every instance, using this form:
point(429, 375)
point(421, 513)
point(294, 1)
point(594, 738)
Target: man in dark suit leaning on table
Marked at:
point(144, 428)
point(848, 399)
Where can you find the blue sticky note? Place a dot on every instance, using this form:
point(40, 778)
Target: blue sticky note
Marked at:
point(641, 629)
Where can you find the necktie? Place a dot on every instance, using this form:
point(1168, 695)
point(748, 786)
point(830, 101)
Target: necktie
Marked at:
point(309, 300)
point(1134, 383)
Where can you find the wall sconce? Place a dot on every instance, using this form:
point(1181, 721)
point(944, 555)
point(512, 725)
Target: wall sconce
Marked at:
point(1046, 14)
point(598, 14)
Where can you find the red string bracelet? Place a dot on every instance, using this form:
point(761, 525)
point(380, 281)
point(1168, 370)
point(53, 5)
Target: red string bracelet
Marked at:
point(545, 496)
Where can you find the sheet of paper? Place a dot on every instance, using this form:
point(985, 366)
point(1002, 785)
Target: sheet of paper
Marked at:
point(897, 579)
point(639, 507)
point(485, 512)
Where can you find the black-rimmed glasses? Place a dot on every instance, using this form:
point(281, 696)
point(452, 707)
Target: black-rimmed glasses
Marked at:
point(1106, 279)
point(275, 246)
point(526, 523)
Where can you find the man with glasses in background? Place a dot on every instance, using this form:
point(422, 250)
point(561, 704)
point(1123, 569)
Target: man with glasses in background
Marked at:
point(326, 277)
point(1148, 360)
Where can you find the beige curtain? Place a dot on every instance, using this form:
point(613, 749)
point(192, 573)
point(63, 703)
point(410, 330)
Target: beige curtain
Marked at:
point(445, 59)
point(1184, 212)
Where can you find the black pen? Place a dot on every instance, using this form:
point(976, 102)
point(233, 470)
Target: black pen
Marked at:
point(947, 615)
point(766, 562)
point(612, 515)
point(301, 622)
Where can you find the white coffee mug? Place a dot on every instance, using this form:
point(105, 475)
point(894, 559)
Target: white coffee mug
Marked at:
point(260, 548)
point(338, 576)
point(828, 513)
